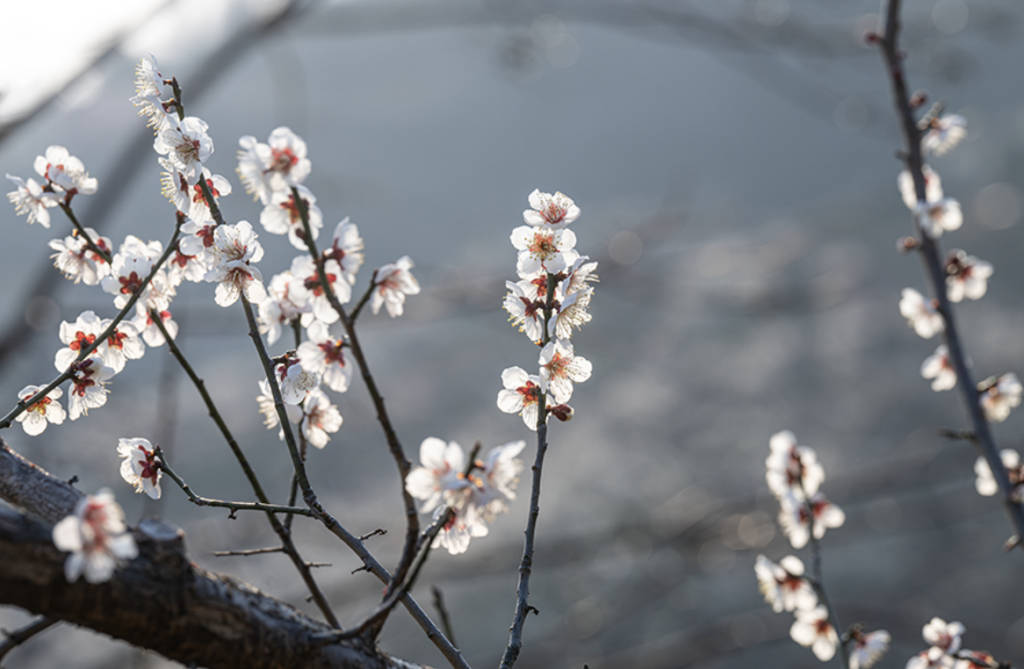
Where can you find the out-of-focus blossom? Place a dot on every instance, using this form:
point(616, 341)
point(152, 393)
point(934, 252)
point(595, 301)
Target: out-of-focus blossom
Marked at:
point(65, 172)
point(439, 475)
point(282, 216)
point(77, 261)
point(967, 276)
point(521, 395)
point(944, 133)
point(319, 418)
point(798, 522)
point(943, 635)
point(932, 186)
point(36, 416)
point(96, 537)
point(272, 167)
point(30, 199)
point(790, 469)
point(88, 390)
point(495, 483)
point(140, 468)
point(783, 585)
point(999, 396)
point(933, 658)
point(324, 357)
point(921, 314)
point(986, 482)
point(935, 217)
point(867, 648)
point(560, 368)
point(392, 283)
point(234, 250)
point(812, 628)
point(553, 211)
point(939, 368)
point(976, 659)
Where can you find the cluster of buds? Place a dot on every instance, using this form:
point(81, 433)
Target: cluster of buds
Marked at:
point(465, 496)
point(550, 300)
point(945, 651)
point(795, 476)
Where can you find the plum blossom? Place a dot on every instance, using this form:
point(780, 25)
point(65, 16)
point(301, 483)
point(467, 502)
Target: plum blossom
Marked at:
point(78, 261)
point(812, 628)
point(944, 133)
point(30, 199)
point(45, 410)
point(181, 267)
point(921, 314)
point(234, 250)
point(495, 483)
point(985, 482)
point(799, 518)
point(939, 215)
point(790, 469)
point(186, 145)
point(932, 186)
point(967, 276)
point(151, 88)
point(281, 216)
point(294, 381)
point(346, 249)
point(392, 282)
point(78, 335)
point(867, 648)
point(783, 585)
point(933, 658)
point(521, 395)
point(141, 467)
point(187, 196)
point(943, 635)
point(560, 367)
point(265, 400)
point(999, 396)
point(282, 307)
point(308, 289)
point(151, 333)
point(526, 313)
point(571, 312)
point(96, 537)
point(324, 356)
point(464, 524)
point(128, 273)
point(65, 173)
point(553, 211)
point(197, 238)
point(976, 659)
point(439, 475)
point(543, 249)
point(938, 367)
point(278, 165)
point(88, 390)
point(319, 418)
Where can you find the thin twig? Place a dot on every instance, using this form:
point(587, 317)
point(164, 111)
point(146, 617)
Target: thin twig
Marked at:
point(932, 258)
point(20, 636)
point(442, 611)
point(251, 551)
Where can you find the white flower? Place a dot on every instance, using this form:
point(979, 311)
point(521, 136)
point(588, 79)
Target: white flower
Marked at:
point(78, 335)
point(234, 249)
point(967, 276)
point(187, 196)
point(939, 215)
point(553, 211)
point(941, 634)
point(985, 482)
point(868, 648)
point(921, 314)
point(526, 313)
point(324, 356)
point(783, 584)
point(128, 271)
point(798, 521)
point(197, 238)
point(932, 185)
point(938, 367)
point(976, 659)
point(150, 90)
point(181, 266)
point(439, 475)
point(96, 537)
point(294, 381)
point(792, 470)
point(559, 368)
point(65, 172)
point(46, 409)
point(933, 658)
point(571, 312)
point(77, 261)
point(281, 216)
point(465, 524)
point(521, 395)
point(31, 200)
point(999, 396)
point(265, 400)
point(812, 628)
point(494, 486)
point(140, 467)
point(346, 249)
point(186, 145)
point(151, 334)
point(275, 166)
point(319, 418)
point(282, 306)
point(307, 288)
point(88, 390)
point(392, 282)
point(543, 249)
point(944, 133)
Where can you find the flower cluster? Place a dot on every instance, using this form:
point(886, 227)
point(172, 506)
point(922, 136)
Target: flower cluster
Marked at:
point(985, 482)
point(795, 476)
point(473, 493)
point(550, 300)
point(946, 652)
point(96, 537)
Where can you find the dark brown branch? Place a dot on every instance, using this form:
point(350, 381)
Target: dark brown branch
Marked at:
point(20, 636)
point(931, 256)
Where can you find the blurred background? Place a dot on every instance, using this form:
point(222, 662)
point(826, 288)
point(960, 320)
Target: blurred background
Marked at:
point(735, 164)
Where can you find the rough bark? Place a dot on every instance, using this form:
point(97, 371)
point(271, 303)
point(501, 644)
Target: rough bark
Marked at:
point(160, 600)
